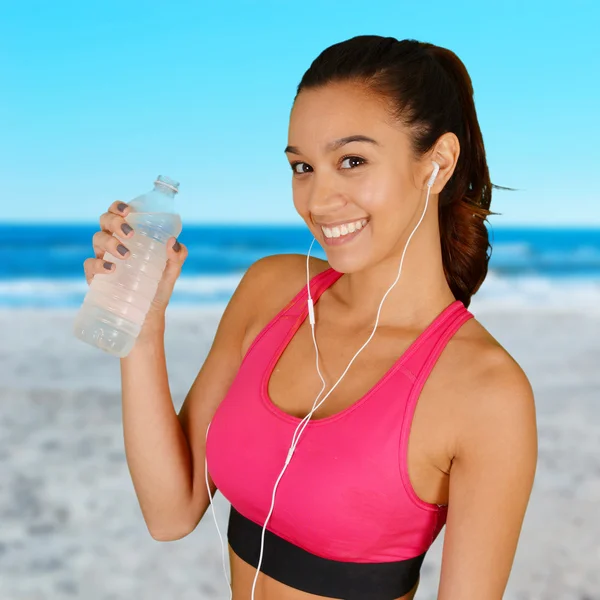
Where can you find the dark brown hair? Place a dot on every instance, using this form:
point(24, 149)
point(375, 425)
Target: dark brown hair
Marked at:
point(431, 93)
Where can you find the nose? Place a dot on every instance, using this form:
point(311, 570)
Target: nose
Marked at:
point(325, 198)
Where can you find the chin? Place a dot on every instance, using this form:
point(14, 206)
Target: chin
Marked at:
point(346, 263)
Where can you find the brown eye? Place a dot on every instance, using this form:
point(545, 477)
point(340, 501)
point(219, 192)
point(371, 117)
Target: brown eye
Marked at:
point(353, 159)
point(302, 169)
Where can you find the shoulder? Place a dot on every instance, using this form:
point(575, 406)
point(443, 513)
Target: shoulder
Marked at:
point(287, 271)
point(495, 372)
point(497, 399)
point(483, 396)
point(270, 283)
point(277, 278)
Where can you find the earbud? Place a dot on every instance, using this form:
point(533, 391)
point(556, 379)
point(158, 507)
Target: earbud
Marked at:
point(436, 170)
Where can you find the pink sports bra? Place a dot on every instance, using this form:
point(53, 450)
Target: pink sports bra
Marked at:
point(346, 522)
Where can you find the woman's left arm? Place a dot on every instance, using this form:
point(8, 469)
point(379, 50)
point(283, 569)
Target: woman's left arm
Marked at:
point(491, 479)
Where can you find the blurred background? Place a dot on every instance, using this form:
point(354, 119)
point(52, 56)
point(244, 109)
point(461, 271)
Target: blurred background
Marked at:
point(98, 98)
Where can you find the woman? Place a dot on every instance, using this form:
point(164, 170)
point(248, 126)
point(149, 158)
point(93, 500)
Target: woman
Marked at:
point(434, 422)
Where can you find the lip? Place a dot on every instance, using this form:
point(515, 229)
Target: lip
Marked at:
point(344, 239)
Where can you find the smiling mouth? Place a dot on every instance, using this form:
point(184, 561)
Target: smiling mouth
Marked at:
point(347, 229)
point(329, 234)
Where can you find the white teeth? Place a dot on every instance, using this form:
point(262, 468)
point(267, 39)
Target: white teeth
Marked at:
point(345, 229)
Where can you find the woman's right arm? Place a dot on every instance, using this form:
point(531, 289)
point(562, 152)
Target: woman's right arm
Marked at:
point(167, 470)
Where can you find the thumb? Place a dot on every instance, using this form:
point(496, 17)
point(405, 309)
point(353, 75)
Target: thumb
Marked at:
point(176, 255)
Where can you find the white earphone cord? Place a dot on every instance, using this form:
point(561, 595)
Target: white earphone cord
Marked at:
point(304, 422)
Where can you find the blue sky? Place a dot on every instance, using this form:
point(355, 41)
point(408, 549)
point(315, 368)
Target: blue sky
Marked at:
point(97, 98)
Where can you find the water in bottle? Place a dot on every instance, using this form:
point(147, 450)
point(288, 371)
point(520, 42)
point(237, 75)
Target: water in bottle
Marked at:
point(116, 304)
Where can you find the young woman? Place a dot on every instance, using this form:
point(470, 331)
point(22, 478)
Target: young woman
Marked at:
point(431, 423)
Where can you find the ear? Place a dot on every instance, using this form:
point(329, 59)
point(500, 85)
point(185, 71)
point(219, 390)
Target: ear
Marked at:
point(445, 152)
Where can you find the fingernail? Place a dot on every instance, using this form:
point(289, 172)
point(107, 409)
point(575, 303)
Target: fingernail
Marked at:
point(176, 246)
point(121, 207)
point(125, 228)
point(108, 266)
point(122, 250)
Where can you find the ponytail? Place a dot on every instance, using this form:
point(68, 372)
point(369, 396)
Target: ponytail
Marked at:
point(465, 200)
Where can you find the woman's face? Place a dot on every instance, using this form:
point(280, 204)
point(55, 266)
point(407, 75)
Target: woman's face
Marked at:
point(338, 182)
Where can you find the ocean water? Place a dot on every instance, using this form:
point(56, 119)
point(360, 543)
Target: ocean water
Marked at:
point(42, 265)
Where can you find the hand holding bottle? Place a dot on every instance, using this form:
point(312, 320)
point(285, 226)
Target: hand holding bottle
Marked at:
point(112, 239)
point(137, 262)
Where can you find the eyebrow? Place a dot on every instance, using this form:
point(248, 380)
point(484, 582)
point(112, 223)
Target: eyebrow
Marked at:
point(337, 143)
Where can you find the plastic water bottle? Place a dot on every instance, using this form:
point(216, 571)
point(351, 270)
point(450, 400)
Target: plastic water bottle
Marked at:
point(116, 304)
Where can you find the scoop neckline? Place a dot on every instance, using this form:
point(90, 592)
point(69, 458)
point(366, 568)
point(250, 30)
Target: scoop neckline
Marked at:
point(413, 346)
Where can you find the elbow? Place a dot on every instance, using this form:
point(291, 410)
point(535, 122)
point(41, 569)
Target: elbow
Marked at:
point(170, 535)
point(174, 530)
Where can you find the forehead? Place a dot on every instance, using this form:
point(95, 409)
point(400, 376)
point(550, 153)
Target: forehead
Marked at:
point(336, 110)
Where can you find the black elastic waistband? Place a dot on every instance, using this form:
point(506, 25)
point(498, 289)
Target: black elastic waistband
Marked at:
point(310, 573)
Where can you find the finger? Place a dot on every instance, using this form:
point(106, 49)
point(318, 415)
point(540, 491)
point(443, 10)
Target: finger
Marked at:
point(93, 266)
point(115, 224)
point(175, 260)
point(105, 242)
point(176, 251)
point(118, 207)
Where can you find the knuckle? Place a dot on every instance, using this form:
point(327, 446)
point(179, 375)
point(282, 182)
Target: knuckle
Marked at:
point(100, 239)
point(108, 221)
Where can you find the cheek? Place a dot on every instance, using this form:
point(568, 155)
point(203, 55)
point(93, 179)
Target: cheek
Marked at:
point(300, 200)
point(379, 193)
point(301, 197)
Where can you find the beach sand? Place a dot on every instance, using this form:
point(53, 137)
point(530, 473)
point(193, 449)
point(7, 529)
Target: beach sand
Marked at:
point(70, 524)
